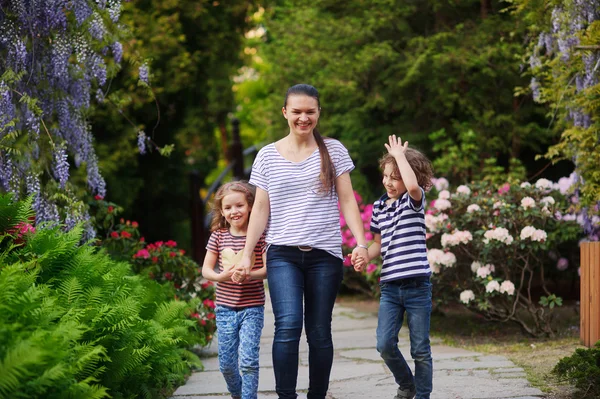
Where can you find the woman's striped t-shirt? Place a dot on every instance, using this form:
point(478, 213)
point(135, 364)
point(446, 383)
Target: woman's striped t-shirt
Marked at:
point(300, 213)
point(230, 294)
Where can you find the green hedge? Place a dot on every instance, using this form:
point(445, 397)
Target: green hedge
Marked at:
point(76, 324)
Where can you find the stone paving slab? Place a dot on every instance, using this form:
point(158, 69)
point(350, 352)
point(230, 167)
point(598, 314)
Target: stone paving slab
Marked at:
point(359, 373)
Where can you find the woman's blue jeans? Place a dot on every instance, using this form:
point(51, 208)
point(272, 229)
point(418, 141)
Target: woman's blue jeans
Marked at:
point(413, 297)
point(310, 280)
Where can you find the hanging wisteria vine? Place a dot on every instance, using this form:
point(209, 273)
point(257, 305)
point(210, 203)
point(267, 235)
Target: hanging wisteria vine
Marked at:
point(565, 66)
point(55, 59)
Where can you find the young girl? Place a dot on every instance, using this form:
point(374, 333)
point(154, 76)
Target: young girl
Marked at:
point(240, 295)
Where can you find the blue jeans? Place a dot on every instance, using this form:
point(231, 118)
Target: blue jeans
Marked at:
point(298, 278)
point(239, 333)
point(413, 297)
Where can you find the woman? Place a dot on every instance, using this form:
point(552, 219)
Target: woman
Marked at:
point(299, 180)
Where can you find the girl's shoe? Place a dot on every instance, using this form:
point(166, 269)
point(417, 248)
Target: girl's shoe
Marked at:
point(405, 394)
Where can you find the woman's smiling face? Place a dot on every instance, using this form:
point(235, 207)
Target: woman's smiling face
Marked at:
point(302, 113)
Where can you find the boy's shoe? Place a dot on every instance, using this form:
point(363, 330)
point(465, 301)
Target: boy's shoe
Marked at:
point(405, 394)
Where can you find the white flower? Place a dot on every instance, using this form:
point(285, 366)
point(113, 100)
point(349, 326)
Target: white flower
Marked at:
point(500, 234)
point(462, 189)
point(448, 259)
point(569, 217)
point(473, 208)
point(435, 223)
point(441, 184)
point(475, 266)
point(564, 183)
point(527, 202)
point(444, 194)
point(467, 296)
point(543, 184)
point(498, 204)
point(492, 286)
point(435, 269)
point(483, 271)
point(533, 233)
point(547, 201)
point(527, 232)
point(525, 184)
point(539, 235)
point(546, 211)
point(457, 237)
point(507, 287)
point(442, 204)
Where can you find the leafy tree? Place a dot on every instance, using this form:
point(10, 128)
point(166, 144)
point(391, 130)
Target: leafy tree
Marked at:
point(192, 49)
point(409, 68)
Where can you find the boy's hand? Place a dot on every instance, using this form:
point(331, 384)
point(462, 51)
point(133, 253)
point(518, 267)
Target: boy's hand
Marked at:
point(359, 263)
point(395, 147)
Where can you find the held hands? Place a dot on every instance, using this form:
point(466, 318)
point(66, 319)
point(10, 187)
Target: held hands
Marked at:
point(359, 259)
point(395, 147)
point(241, 271)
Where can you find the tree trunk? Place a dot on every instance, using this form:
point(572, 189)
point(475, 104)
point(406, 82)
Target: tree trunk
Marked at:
point(485, 8)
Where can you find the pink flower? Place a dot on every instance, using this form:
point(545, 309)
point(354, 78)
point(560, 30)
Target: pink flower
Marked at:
point(504, 188)
point(98, 198)
point(351, 242)
point(142, 253)
point(125, 234)
point(171, 244)
point(172, 254)
point(371, 268)
point(358, 197)
point(208, 303)
point(342, 221)
point(347, 261)
point(368, 236)
point(206, 285)
point(114, 234)
point(169, 276)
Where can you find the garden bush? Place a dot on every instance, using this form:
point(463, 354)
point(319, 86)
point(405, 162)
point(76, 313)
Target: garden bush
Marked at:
point(582, 369)
point(76, 323)
point(495, 248)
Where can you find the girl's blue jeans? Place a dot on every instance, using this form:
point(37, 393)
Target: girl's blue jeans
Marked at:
point(239, 333)
point(413, 297)
point(302, 283)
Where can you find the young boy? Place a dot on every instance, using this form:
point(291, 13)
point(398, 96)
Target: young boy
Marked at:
point(398, 224)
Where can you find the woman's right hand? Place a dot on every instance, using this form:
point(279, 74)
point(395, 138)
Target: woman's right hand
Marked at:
point(245, 265)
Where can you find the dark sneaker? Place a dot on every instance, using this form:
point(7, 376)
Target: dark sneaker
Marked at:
point(405, 394)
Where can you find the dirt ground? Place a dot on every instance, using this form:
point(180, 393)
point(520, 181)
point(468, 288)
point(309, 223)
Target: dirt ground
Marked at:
point(537, 356)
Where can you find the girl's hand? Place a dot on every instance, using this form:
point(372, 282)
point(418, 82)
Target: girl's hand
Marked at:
point(395, 147)
point(225, 275)
point(239, 276)
point(245, 265)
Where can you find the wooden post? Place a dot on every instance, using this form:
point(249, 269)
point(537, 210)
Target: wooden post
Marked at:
point(590, 293)
point(199, 232)
point(236, 152)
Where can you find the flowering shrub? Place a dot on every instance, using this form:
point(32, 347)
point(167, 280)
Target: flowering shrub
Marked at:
point(494, 249)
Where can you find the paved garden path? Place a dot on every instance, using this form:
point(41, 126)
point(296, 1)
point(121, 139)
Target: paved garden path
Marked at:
point(359, 373)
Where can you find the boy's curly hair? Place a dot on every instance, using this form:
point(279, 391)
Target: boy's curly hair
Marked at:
point(419, 164)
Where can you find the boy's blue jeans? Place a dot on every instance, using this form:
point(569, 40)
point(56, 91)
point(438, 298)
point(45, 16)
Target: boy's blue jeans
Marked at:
point(413, 297)
point(298, 278)
point(239, 333)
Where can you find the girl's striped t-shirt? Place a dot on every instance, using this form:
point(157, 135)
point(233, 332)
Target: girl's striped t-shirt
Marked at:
point(301, 214)
point(230, 294)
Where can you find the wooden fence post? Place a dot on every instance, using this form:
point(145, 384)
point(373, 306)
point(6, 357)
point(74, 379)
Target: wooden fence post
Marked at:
point(590, 293)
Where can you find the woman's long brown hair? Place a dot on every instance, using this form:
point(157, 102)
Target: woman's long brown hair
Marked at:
point(327, 175)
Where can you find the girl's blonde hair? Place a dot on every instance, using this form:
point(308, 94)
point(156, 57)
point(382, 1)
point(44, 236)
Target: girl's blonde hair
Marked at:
point(417, 161)
point(241, 186)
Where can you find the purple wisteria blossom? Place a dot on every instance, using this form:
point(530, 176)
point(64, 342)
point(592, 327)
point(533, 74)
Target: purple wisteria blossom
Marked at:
point(144, 73)
point(141, 142)
point(61, 165)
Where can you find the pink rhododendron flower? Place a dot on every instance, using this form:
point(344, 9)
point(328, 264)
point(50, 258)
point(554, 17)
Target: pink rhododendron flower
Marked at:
point(467, 296)
point(171, 244)
point(142, 253)
point(507, 287)
point(347, 261)
point(562, 264)
point(504, 188)
point(492, 286)
point(208, 303)
point(371, 268)
point(527, 202)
